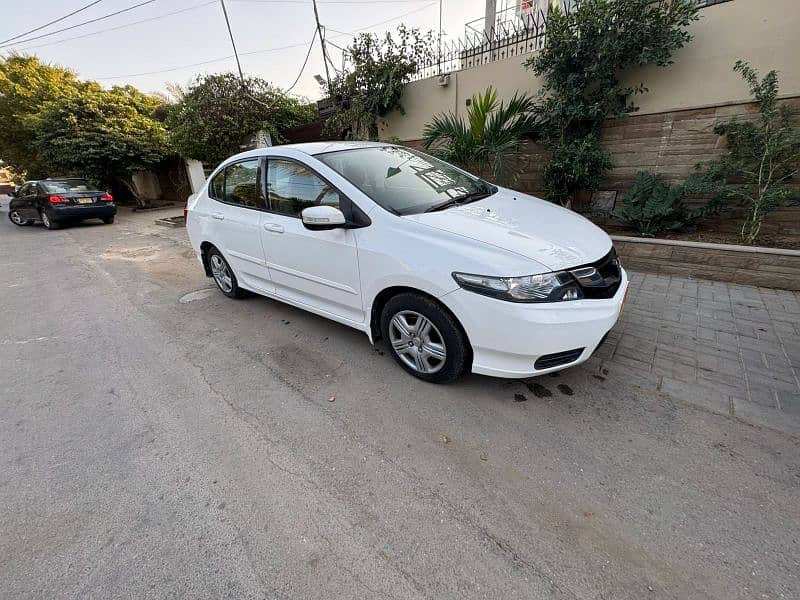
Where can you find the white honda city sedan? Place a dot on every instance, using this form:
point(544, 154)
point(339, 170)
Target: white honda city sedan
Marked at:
point(452, 272)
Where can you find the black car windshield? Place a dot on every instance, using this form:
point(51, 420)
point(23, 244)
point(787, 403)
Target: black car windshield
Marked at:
point(405, 181)
point(63, 187)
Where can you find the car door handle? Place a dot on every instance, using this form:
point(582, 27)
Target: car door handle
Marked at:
point(273, 227)
point(218, 216)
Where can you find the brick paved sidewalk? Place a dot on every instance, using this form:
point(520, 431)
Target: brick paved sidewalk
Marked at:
point(730, 348)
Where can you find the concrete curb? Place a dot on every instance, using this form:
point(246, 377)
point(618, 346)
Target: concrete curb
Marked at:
point(707, 245)
point(776, 268)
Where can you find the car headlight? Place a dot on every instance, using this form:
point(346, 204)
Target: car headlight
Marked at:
point(547, 287)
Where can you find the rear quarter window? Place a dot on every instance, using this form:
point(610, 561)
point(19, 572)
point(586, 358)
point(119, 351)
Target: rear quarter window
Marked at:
point(216, 188)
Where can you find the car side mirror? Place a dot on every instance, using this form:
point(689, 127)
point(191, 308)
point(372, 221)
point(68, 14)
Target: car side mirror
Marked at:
point(319, 218)
point(14, 193)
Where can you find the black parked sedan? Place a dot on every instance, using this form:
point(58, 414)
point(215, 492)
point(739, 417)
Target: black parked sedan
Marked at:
point(55, 202)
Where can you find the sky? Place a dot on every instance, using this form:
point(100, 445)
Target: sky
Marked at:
point(272, 36)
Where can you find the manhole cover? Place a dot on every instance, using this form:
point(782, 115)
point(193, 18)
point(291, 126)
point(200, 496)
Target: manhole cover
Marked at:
point(196, 295)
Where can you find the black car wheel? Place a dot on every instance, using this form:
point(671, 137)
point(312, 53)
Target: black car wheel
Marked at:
point(424, 338)
point(17, 219)
point(47, 221)
point(108, 220)
point(223, 275)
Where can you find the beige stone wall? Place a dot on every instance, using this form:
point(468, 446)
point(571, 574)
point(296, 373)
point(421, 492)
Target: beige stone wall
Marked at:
point(670, 143)
point(764, 32)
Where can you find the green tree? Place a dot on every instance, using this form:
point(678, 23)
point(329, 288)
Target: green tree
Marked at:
point(489, 140)
point(586, 52)
point(762, 155)
point(372, 87)
point(26, 86)
point(103, 135)
point(213, 116)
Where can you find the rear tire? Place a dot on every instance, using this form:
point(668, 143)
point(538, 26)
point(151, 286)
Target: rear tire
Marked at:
point(108, 220)
point(223, 275)
point(48, 222)
point(16, 218)
point(424, 338)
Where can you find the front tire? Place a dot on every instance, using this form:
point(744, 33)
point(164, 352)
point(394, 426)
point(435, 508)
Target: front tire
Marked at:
point(16, 218)
point(48, 222)
point(223, 275)
point(424, 338)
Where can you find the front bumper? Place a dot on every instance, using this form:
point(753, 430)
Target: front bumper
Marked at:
point(85, 211)
point(507, 338)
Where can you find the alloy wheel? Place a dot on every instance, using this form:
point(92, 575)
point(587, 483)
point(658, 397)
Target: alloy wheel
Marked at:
point(417, 342)
point(45, 219)
point(16, 218)
point(221, 273)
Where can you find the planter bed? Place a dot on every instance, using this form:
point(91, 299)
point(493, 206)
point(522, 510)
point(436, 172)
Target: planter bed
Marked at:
point(748, 265)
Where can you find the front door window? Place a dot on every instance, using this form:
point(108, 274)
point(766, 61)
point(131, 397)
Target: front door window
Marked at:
point(292, 187)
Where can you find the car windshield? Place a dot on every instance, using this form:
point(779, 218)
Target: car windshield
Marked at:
point(405, 181)
point(62, 187)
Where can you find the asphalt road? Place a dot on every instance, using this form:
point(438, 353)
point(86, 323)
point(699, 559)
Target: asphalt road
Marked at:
point(151, 448)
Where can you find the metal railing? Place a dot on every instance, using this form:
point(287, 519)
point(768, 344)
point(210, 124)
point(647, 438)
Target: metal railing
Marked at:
point(513, 34)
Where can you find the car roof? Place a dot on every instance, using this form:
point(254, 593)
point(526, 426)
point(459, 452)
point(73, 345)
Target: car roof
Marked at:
point(313, 148)
point(309, 148)
point(55, 179)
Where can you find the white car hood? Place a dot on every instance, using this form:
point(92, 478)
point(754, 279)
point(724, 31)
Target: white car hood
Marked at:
point(539, 230)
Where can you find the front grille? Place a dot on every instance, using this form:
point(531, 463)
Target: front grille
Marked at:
point(548, 361)
point(600, 279)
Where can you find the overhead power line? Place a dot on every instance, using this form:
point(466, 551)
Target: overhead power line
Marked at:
point(305, 62)
point(196, 7)
point(179, 68)
point(330, 1)
point(262, 51)
point(53, 22)
point(197, 64)
point(118, 27)
point(113, 14)
point(411, 12)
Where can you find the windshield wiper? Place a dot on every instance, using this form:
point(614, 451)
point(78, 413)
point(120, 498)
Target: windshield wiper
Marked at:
point(459, 200)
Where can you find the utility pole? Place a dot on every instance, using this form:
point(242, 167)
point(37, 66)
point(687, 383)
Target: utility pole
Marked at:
point(490, 16)
point(322, 45)
point(439, 61)
point(233, 43)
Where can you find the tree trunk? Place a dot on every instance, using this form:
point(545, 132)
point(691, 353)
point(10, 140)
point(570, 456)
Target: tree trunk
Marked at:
point(128, 183)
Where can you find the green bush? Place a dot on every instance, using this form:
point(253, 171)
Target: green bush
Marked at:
point(653, 206)
point(488, 141)
point(212, 117)
point(371, 87)
point(588, 51)
point(762, 157)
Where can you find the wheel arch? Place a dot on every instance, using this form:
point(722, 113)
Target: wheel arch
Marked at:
point(388, 293)
point(204, 248)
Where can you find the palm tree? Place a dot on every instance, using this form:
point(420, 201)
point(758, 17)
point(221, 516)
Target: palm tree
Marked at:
point(488, 140)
